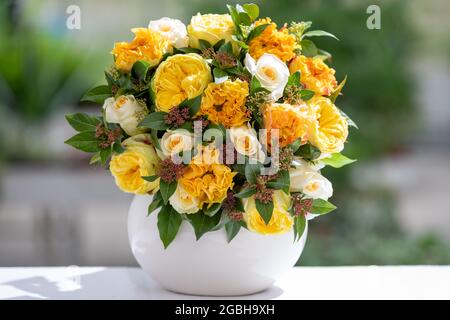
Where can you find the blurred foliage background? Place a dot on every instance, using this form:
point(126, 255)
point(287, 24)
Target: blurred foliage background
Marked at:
point(42, 73)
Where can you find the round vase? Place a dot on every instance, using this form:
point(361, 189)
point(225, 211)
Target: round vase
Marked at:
point(211, 266)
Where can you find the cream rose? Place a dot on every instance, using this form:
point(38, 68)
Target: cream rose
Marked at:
point(306, 178)
point(126, 111)
point(246, 142)
point(176, 141)
point(210, 27)
point(183, 202)
point(172, 29)
point(272, 73)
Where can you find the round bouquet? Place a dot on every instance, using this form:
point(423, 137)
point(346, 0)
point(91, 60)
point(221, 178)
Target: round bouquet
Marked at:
point(226, 123)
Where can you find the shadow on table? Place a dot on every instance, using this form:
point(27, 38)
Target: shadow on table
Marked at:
point(102, 283)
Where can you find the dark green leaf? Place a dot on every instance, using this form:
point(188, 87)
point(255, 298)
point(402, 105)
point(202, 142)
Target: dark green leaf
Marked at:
point(256, 32)
point(309, 49)
point(105, 154)
point(299, 226)
point(204, 44)
point(252, 171)
point(155, 120)
point(213, 209)
point(218, 73)
point(232, 229)
point(97, 94)
point(337, 160)
point(155, 204)
point(193, 105)
point(167, 189)
point(155, 141)
point(350, 122)
point(218, 44)
point(308, 152)
point(306, 94)
point(282, 183)
point(140, 69)
point(169, 222)
point(186, 50)
point(117, 147)
point(82, 122)
point(203, 223)
point(226, 48)
point(150, 178)
point(320, 206)
point(294, 79)
point(319, 33)
point(234, 16)
point(265, 210)
point(245, 193)
point(84, 141)
point(244, 18)
point(254, 85)
point(295, 145)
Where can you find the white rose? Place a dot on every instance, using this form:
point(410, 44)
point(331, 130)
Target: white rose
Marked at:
point(272, 73)
point(173, 142)
point(183, 202)
point(306, 178)
point(172, 29)
point(246, 142)
point(126, 111)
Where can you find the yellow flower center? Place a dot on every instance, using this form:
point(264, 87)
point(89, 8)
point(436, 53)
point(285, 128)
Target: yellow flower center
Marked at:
point(165, 28)
point(269, 73)
point(120, 102)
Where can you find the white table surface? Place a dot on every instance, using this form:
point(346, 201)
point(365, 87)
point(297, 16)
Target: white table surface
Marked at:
point(402, 282)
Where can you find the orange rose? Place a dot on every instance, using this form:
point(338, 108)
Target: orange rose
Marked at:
point(315, 74)
point(293, 122)
point(277, 42)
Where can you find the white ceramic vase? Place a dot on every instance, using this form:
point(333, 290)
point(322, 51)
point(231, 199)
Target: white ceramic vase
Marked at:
point(210, 266)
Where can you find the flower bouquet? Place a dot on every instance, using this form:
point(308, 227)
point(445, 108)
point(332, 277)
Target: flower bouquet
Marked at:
point(226, 123)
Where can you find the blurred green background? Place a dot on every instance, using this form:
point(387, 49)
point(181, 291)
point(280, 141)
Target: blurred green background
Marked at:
point(393, 203)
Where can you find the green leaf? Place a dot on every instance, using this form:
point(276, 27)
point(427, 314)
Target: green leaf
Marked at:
point(186, 50)
point(234, 16)
point(218, 44)
point(256, 32)
point(97, 94)
point(150, 178)
point(84, 141)
point(232, 229)
point(204, 44)
point(169, 222)
point(82, 122)
point(350, 122)
point(117, 147)
point(295, 145)
point(308, 152)
point(282, 182)
point(105, 154)
point(140, 69)
point(167, 189)
point(244, 18)
point(155, 204)
point(155, 120)
point(299, 227)
point(95, 158)
point(154, 136)
point(213, 209)
point(245, 193)
point(306, 94)
point(252, 10)
point(193, 105)
point(252, 171)
point(203, 223)
point(294, 79)
point(265, 210)
point(226, 48)
point(321, 206)
point(337, 160)
point(254, 85)
point(309, 49)
point(218, 73)
point(319, 33)
point(337, 91)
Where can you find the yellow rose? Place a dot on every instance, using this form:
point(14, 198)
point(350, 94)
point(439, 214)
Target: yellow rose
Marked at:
point(147, 45)
point(206, 179)
point(184, 202)
point(329, 131)
point(315, 75)
point(281, 221)
point(138, 160)
point(180, 77)
point(224, 103)
point(210, 27)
